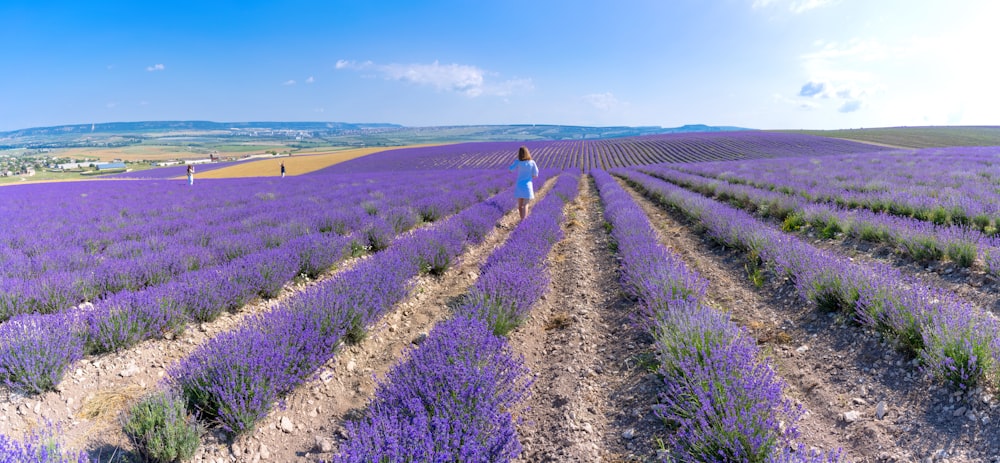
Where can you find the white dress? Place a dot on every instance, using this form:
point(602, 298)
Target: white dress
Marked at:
point(526, 170)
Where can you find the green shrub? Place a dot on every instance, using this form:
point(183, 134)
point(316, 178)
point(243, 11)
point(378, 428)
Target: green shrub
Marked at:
point(160, 428)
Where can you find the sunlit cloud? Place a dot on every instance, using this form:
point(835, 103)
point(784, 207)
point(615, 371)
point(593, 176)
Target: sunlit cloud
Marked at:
point(310, 80)
point(155, 67)
point(602, 101)
point(468, 80)
point(794, 6)
point(288, 83)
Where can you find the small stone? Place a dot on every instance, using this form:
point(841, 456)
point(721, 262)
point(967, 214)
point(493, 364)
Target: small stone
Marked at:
point(851, 416)
point(802, 348)
point(323, 444)
point(587, 428)
point(420, 338)
point(263, 452)
point(628, 434)
point(351, 365)
point(286, 425)
point(881, 410)
point(129, 371)
point(958, 412)
point(859, 401)
point(237, 450)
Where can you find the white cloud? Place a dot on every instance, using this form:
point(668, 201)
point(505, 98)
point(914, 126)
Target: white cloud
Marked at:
point(310, 80)
point(801, 103)
point(468, 80)
point(794, 6)
point(288, 83)
point(155, 67)
point(603, 101)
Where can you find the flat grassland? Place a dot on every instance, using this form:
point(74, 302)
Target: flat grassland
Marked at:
point(916, 137)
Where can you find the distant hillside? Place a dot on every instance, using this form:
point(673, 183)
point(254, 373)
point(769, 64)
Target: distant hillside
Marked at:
point(916, 137)
point(310, 134)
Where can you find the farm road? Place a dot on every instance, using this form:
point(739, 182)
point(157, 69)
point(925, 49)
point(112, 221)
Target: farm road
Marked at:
point(591, 397)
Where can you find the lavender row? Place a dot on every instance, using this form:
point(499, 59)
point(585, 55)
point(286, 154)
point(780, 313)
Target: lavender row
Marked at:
point(942, 185)
point(37, 349)
point(38, 447)
point(515, 275)
point(723, 402)
point(452, 399)
point(954, 340)
point(920, 240)
point(609, 153)
point(193, 245)
point(170, 171)
point(235, 378)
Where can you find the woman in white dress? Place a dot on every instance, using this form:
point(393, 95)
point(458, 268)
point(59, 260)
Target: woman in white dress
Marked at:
point(526, 169)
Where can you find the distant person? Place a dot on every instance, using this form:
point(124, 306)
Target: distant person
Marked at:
point(526, 169)
point(190, 171)
point(282, 169)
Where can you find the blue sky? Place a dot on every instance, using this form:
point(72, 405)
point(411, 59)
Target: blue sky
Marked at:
point(754, 63)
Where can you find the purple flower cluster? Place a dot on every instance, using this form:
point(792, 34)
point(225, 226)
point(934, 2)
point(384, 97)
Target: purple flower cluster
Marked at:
point(608, 153)
point(723, 402)
point(919, 239)
point(451, 400)
point(515, 275)
point(952, 338)
point(38, 447)
point(235, 378)
point(199, 272)
point(942, 185)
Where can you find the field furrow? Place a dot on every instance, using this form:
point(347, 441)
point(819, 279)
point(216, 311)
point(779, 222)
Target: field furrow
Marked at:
point(591, 385)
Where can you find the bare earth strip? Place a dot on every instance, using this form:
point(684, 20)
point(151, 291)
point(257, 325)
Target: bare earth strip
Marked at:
point(834, 368)
point(315, 412)
point(591, 399)
point(294, 165)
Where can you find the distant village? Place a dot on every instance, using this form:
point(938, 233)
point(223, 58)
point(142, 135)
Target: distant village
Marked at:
point(29, 163)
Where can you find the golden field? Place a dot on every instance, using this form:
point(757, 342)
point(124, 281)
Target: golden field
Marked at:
point(296, 164)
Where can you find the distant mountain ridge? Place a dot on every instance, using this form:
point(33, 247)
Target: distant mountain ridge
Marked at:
point(330, 133)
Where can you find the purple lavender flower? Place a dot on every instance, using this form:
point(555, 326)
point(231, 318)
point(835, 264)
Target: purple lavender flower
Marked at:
point(451, 400)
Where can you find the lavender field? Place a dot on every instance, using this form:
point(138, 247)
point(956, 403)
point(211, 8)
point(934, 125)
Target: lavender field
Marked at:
point(721, 297)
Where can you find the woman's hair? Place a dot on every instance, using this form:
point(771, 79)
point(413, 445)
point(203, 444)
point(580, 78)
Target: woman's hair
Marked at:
point(523, 154)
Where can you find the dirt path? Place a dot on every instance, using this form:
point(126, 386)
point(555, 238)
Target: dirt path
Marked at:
point(834, 368)
point(590, 388)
